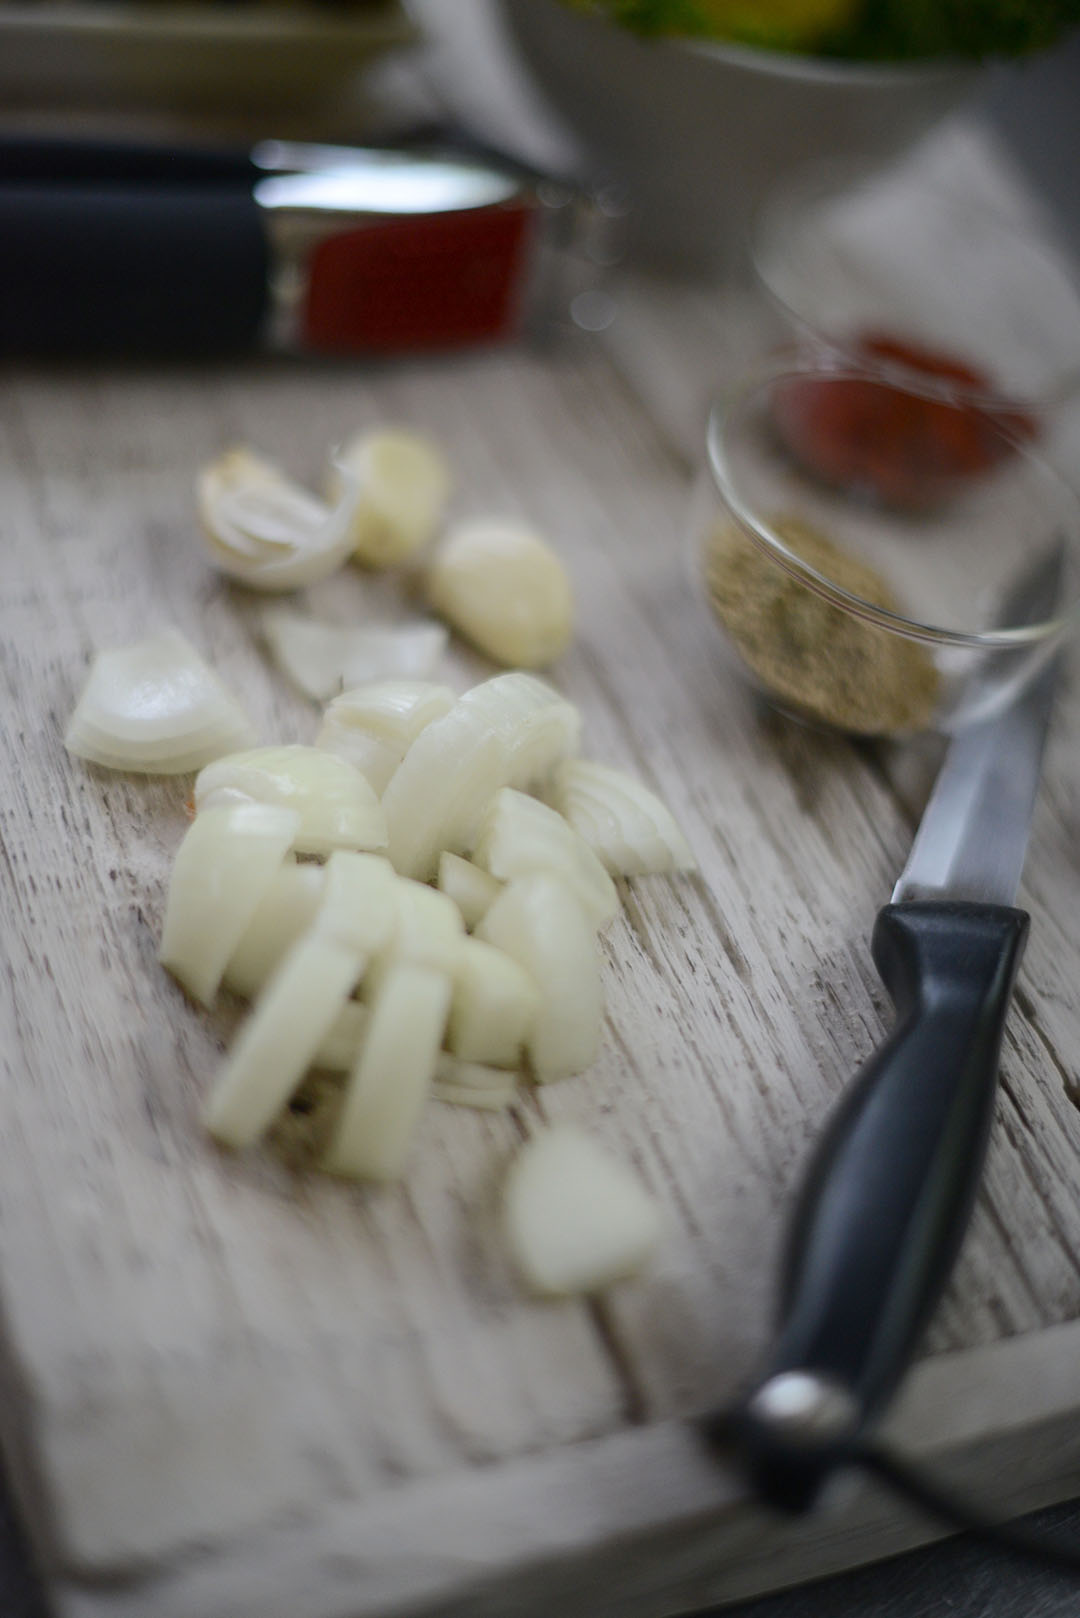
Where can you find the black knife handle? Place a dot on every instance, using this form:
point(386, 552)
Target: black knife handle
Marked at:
point(140, 269)
point(83, 160)
point(888, 1195)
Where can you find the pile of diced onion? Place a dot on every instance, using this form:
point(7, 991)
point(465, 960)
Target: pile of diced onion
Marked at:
point(412, 903)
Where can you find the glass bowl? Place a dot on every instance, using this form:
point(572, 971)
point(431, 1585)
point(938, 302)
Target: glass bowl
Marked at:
point(857, 612)
point(925, 278)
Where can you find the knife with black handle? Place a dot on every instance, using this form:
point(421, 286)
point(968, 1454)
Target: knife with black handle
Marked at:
point(888, 1194)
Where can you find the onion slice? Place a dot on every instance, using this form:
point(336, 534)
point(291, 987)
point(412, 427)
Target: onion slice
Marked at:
point(281, 1038)
point(286, 912)
point(155, 708)
point(540, 922)
point(403, 481)
point(374, 725)
point(321, 658)
point(470, 1084)
point(518, 834)
point(494, 1006)
point(223, 870)
point(336, 806)
point(392, 1077)
point(508, 731)
point(576, 1219)
point(473, 891)
point(631, 831)
point(341, 1046)
point(268, 532)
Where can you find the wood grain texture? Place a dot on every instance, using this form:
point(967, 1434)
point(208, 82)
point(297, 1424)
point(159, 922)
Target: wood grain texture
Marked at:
point(240, 1390)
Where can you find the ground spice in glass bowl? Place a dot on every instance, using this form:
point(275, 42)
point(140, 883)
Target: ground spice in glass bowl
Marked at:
point(857, 615)
point(810, 656)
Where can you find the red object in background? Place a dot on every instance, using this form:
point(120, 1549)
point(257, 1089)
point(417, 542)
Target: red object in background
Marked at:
point(421, 282)
point(907, 450)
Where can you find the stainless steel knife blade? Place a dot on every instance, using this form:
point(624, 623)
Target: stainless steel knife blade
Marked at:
point(973, 835)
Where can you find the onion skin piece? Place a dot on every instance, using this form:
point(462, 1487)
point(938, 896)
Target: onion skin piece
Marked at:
point(392, 1077)
point(632, 832)
point(540, 923)
point(223, 870)
point(336, 806)
point(155, 708)
point(279, 1041)
point(284, 915)
point(576, 1220)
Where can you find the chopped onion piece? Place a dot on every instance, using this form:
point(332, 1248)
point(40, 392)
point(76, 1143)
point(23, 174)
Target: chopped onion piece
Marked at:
point(341, 1046)
point(266, 531)
point(223, 870)
point(320, 658)
point(427, 931)
point(540, 922)
point(468, 1084)
point(503, 587)
point(539, 726)
point(576, 1219)
point(472, 890)
point(510, 730)
point(284, 915)
point(360, 905)
point(631, 831)
point(337, 807)
point(279, 1041)
point(156, 708)
point(494, 1006)
point(518, 834)
point(393, 1074)
point(404, 484)
point(374, 725)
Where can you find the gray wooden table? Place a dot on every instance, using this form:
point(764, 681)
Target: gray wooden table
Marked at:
point(230, 1392)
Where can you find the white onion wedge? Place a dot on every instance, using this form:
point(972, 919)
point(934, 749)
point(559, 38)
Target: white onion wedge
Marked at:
point(538, 725)
point(632, 832)
point(473, 891)
point(155, 708)
point(576, 1219)
point(503, 587)
point(427, 931)
point(223, 870)
point(279, 1041)
point(392, 1077)
point(493, 1009)
point(360, 905)
point(266, 531)
point(341, 1046)
point(337, 807)
point(518, 834)
point(374, 725)
point(404, 483)
point(470, 1084)
point(284, 915)
point(540, 922)
point(321, 658)
point(508, 731)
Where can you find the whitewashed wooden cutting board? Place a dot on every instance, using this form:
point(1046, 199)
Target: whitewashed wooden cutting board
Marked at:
point(242, 1393)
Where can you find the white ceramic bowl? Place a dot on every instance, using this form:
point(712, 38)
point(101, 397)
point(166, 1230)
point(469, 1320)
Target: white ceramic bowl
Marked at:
point(700, 132)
